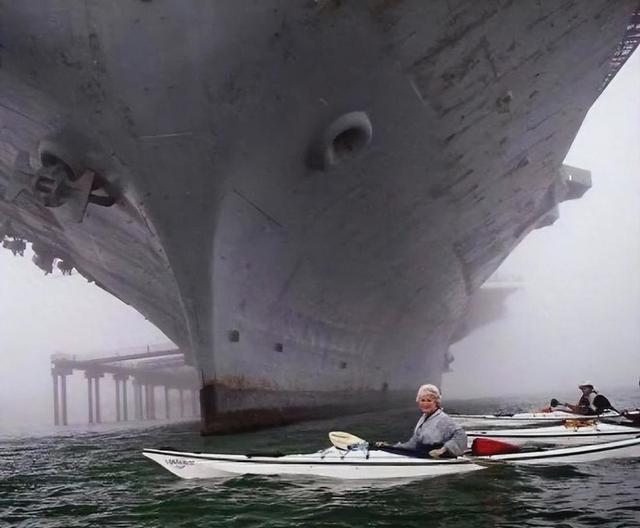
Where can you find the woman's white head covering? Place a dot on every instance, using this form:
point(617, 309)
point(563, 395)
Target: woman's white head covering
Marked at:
point(429, 389)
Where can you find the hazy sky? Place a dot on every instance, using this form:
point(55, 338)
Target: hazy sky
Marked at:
point(40, 315)
point(576, 317)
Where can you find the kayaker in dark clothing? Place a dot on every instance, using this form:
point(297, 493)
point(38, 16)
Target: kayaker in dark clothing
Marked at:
point(435, 434)
point(590, 403)
point(585, 404)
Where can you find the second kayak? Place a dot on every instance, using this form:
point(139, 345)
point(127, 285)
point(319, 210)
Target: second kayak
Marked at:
point(521, 419)
point(560, 434)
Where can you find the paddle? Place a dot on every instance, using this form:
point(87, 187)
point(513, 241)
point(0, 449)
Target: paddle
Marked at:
point(349, 442)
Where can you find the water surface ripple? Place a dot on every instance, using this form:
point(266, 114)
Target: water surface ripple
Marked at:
point(74, 478)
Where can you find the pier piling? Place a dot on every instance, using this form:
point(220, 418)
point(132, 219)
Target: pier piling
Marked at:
point(59, 378)
point(56, 415)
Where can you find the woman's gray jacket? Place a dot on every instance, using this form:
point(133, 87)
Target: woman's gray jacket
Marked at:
point(435, 431)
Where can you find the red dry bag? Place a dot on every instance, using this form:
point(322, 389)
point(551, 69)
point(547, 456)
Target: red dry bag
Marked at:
point(489, 446)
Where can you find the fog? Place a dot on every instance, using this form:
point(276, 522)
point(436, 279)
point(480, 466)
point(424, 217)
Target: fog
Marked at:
point(576, 315)
point(41, 315)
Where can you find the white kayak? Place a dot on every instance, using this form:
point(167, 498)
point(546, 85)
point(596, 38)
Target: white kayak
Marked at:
point(372, 464)
point(331, 462)
point(590, 433)
point(520, 419)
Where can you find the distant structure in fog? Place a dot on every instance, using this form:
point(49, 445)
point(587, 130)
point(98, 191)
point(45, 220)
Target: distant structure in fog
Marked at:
point(152, 368)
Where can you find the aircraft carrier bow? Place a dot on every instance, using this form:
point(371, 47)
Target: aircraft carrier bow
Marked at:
point(304, 196)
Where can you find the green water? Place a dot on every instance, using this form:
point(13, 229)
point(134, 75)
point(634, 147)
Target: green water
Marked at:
point(77, 477)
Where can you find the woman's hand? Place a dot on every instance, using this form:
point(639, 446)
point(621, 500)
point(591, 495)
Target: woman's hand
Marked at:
point(437, 453)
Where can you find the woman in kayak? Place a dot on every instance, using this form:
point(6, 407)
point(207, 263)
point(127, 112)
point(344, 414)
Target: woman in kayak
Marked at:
point(435, 434)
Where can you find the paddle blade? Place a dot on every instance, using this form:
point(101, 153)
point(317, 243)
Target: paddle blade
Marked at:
point(345, 441)
point(489, 446)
